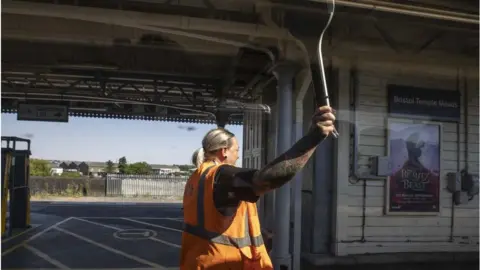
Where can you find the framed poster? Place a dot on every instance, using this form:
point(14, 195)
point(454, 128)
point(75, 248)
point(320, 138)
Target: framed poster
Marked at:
point(414, 150)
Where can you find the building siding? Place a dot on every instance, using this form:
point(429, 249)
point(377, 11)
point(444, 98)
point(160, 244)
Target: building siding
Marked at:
point(400, 233)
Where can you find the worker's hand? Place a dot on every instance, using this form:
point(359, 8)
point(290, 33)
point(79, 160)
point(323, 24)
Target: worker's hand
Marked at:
point(323, 120)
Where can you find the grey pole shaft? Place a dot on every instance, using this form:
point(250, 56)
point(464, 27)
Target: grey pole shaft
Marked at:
point(281, 242)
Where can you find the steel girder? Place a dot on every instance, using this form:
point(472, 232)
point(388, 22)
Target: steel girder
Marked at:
point(201, 9)
point(144, 97)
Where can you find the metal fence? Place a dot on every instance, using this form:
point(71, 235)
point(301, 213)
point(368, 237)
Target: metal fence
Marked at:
point(145, 185)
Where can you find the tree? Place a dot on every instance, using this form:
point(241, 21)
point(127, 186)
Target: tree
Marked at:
point(40, 167)
point(122, 165)
point(185, 167)
point(109, 168)
point(139, 168)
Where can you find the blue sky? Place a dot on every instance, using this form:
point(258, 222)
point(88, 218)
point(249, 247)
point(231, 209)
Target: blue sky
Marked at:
point(97, 139)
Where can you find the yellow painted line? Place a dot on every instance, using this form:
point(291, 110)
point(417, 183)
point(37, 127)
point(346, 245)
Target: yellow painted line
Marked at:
point(46, 257)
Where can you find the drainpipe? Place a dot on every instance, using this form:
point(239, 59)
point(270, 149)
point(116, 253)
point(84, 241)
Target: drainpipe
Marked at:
point(297, 182)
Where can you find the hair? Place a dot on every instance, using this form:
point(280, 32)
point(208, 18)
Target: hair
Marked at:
point(197, 157)
point(213, 141)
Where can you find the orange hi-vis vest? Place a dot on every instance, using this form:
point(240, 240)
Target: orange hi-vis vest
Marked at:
point(213, 241)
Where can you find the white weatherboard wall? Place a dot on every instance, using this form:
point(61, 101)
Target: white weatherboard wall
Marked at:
point(384, 234)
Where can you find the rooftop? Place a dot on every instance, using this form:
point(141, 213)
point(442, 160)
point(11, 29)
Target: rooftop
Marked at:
point(56, 163)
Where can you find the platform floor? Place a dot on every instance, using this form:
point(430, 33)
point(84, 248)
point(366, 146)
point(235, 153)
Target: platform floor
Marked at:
point(121, 236)
point(97, 236)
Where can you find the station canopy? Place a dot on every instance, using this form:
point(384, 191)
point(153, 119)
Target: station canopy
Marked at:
point(112, 59)
point(112, 71)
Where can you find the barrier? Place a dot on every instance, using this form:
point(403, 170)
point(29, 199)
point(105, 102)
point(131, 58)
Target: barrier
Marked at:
point(15, 185)
point(6, 163)
point(145, 185)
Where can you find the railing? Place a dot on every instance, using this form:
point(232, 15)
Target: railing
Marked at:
point(145, 185)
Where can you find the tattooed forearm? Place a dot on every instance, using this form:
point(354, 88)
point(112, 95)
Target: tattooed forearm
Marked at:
point(284, 168)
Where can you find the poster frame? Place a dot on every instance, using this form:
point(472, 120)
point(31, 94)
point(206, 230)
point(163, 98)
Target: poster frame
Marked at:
point(393, 120)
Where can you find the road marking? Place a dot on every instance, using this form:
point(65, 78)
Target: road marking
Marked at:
point(165, 242)
point(119, 229)
point(34, 236)
point(134, 234)
point(107, 204)
point(33, 226)
point(126, 255)
point(153, 225)
point(165, 268)
point(152, 218)
point(98, 224)
point(46, 257)
point(175, 219)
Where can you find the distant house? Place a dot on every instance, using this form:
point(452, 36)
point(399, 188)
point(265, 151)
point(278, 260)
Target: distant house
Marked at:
point(164, 169)
point(55, 169)
point(97, 168)
point(72, 167)
point(69, 166)
point(64, 166)
point(83, 168)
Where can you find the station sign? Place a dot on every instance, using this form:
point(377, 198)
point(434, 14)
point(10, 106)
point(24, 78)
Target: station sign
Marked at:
point(41, 112)
point(428, 104)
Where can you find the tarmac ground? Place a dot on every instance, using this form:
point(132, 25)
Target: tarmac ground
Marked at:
point(97, 236)
point(124, 235)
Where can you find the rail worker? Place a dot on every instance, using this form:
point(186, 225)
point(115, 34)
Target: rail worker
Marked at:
point(195, 161)
point(266, 233)
point(221, 225)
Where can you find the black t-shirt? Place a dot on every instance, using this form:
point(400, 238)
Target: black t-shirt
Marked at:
point(232, 185)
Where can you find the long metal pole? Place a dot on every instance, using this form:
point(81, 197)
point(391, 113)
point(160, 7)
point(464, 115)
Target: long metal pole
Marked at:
point(393, 8)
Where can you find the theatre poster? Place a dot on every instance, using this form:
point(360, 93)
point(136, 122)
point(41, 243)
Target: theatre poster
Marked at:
point(414, 148)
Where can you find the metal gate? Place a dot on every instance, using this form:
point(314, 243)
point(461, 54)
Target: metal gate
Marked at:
point(145, 185)
point(254, 147)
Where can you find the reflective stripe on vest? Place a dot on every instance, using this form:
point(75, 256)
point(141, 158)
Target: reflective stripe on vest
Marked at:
point(200, 231)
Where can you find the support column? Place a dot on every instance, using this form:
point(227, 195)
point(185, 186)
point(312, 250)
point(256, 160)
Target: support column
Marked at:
point(323, 183)
point(281, 243)
point(222, 119)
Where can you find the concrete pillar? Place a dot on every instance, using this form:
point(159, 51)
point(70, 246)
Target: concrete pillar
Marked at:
point(281, 256)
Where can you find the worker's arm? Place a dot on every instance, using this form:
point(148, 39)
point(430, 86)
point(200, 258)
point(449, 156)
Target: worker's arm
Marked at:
point(283, 168)
point(234, 184)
